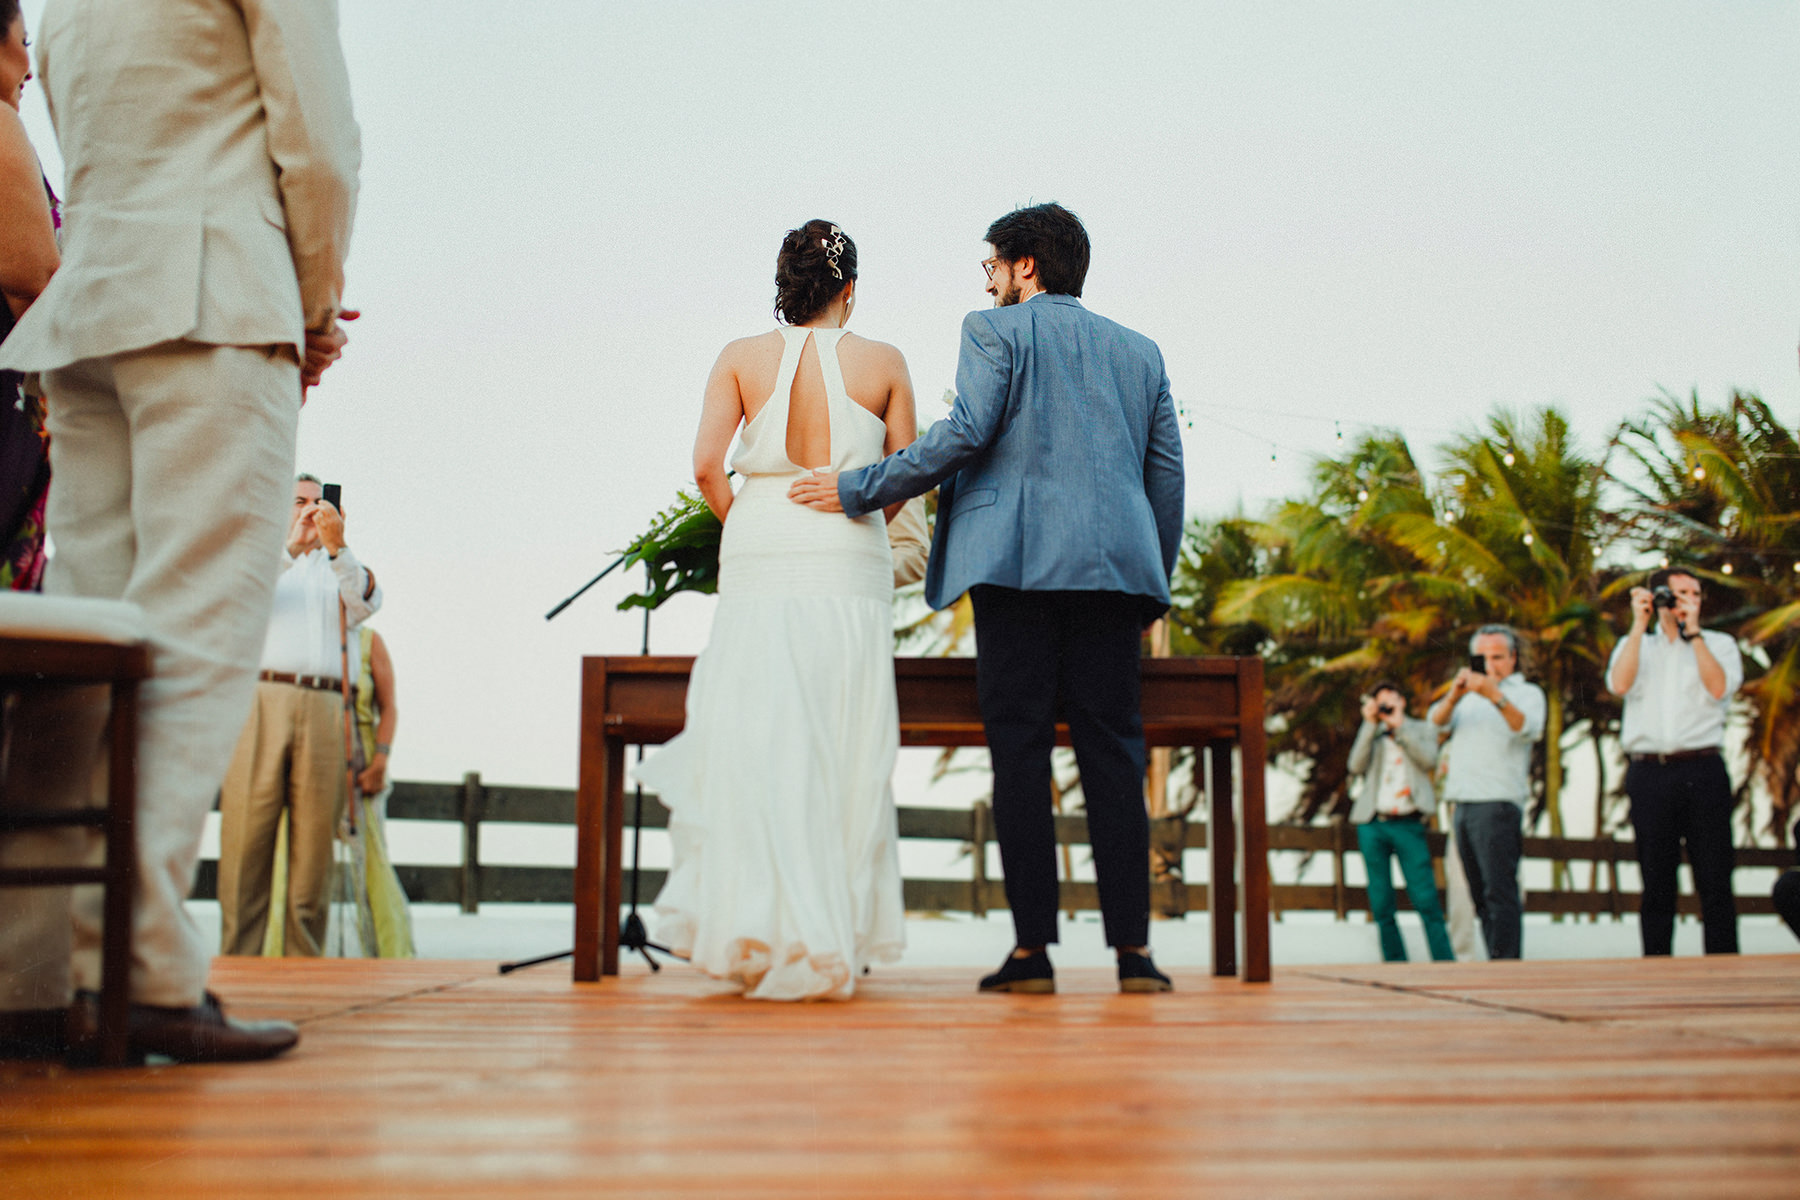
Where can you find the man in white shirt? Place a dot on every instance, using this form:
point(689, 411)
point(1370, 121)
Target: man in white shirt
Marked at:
point(1677, 685)
point(1493, 716)
point(290, 756)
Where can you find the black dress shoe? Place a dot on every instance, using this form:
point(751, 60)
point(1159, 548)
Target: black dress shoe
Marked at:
point(1031, 973)
point(202, 1033)
point(1138, 974)
point(34, 1033)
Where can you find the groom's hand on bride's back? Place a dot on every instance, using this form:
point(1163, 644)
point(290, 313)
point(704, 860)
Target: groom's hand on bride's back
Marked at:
point(818, 490)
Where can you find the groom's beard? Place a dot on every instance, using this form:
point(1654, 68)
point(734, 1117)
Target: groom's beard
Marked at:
point(1009, 296)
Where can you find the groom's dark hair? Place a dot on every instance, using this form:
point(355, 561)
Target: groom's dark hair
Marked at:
point(1052, 237)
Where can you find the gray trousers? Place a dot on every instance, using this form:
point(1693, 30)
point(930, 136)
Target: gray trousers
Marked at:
point(1489, 838)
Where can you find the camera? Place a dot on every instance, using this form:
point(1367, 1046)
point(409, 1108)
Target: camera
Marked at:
point(1663, 596)
point(1387, 710)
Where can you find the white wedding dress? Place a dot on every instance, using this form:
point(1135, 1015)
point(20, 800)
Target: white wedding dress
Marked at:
point(785, 876)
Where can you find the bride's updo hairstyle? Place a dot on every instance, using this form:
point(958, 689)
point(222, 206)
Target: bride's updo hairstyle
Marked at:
point(815, 263)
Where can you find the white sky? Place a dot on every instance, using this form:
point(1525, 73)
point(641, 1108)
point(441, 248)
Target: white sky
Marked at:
point(1400, 214)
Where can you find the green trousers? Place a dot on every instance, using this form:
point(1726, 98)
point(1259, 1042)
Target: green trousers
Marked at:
point(1382, 841)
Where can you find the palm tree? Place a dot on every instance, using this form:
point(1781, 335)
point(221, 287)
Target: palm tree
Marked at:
point(1333, 604)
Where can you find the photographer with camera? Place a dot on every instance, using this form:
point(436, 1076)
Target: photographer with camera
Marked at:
point(1677, 684)
point(291, 753)
point(1493, 716)
point(1393, 758)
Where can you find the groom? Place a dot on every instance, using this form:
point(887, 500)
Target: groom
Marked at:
point(1059, 512)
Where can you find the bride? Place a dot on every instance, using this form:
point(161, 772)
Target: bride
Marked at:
point(785, 876)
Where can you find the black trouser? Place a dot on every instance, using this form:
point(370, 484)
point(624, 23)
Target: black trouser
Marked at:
point(1787, 898)
point(1074, 655)
point(1489, 840)
point(1688, 800)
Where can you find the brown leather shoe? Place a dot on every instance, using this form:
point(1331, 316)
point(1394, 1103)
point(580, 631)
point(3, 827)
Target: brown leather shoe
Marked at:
point(202, 1033)
point(34, 1033)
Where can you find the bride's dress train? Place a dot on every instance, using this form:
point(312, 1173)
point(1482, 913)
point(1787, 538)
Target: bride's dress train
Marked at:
point(785, 875)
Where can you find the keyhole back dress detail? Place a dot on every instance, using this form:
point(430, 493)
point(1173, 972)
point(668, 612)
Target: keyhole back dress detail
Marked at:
point(785, 872)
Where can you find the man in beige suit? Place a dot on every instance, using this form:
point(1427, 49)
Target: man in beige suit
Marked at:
point(211, 160)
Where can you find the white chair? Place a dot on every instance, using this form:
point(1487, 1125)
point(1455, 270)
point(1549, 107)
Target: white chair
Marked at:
point(48, 641)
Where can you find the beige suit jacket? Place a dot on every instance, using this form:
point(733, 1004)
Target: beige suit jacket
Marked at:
point(210, 159)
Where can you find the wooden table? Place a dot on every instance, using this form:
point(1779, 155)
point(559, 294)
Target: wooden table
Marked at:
point(1207, 703)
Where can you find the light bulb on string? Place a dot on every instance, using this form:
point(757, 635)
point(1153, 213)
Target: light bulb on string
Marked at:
point(1726, 568)
point(1699, 473)
point(1507, 458)
point(1362, 495)
point(1665, 560)
point(1528, 539)
point(1340, 430)
point(1797, 567)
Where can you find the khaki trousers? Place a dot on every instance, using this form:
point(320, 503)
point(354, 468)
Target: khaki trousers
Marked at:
point(290, 756)
point(172, 478)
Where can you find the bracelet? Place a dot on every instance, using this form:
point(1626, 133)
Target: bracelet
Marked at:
point(1688, 637)
point(383, 747)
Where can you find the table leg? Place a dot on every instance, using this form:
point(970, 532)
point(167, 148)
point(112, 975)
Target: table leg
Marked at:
point(592, 787)
point(1255, 822)
point(615, 838)
point(1221, 844)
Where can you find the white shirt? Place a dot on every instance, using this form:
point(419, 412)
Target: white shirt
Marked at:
point(1396, 780)
point(1667, 708)
point(1489, 760)
point(303, 636)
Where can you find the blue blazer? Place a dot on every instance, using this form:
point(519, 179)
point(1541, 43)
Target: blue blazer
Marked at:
point(1059, 466)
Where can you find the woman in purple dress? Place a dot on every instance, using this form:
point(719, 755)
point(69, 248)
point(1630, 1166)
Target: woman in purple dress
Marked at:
point(28, 258)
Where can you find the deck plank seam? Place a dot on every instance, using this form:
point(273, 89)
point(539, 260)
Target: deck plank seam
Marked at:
point(371, 1005)
point(1446, 997)
point(1664, 1024)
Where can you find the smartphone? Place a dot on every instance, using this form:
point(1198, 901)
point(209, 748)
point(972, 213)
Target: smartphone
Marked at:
point(332, 494)
point(1478, 664)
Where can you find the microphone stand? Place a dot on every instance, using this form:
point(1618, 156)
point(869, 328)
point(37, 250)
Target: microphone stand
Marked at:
point(632, 933)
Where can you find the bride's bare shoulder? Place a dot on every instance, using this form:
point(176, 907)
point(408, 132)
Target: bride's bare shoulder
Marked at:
point(753, 350)
point(875, 353)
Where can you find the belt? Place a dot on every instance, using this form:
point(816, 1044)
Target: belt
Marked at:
point(1674, 756)
point(317, 683)
point(1411, 816)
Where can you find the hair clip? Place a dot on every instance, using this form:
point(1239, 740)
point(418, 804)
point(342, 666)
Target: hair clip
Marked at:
point(833, 249)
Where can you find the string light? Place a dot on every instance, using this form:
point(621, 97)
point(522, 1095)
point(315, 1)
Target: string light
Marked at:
point(1507, 458)
point(1699, 472)
point(1340, 430)
point(1726, 568)
point(1665, 560)
point(1797, 566)
point(1528, 539)
point(1362, 495)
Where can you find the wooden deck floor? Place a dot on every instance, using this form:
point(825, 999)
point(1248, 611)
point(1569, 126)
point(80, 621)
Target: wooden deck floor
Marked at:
point(1675, 1078)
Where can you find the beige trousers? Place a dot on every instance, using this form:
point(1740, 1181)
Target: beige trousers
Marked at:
point(290, 756)
point(172, 477)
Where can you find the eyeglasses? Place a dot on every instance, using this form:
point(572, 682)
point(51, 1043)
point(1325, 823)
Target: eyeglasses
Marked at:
point(988, 265)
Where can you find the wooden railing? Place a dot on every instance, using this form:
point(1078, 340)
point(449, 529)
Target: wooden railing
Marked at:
point(473, 803)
